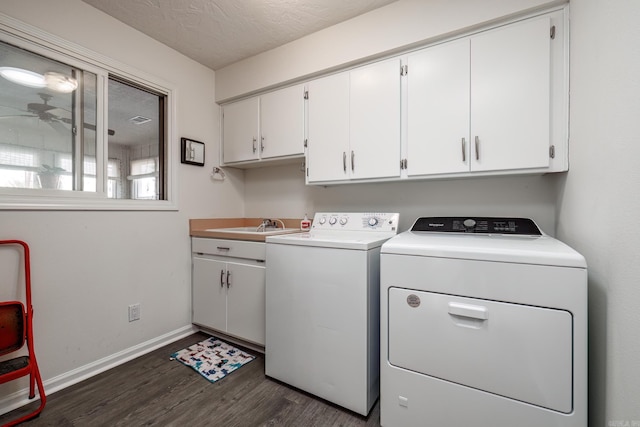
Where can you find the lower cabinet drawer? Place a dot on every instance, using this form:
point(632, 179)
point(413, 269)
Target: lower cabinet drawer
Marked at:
point(230, 248)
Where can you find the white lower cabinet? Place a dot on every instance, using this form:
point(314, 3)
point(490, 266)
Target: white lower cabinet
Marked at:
point(228, 292)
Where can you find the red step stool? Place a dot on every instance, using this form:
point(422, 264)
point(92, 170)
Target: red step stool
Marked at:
point(15, 329)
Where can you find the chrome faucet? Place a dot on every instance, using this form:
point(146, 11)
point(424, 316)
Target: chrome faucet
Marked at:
point(270, 223)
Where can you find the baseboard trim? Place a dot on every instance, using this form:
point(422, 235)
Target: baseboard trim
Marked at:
point(20, 398)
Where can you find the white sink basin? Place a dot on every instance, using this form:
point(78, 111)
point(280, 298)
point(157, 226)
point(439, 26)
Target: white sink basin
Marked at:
point(254, 230)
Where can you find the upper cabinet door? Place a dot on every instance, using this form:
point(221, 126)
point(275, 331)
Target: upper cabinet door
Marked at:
point(438, 109)
point(510, 96)
point(282, 122)
point(375, 121)
point(328, 128)
point(241, 132)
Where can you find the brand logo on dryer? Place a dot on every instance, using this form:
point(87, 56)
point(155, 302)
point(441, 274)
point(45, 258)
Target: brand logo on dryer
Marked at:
point(413, 300)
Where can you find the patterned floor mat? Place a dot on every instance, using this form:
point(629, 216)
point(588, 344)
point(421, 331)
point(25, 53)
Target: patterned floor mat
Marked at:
point(212, 358)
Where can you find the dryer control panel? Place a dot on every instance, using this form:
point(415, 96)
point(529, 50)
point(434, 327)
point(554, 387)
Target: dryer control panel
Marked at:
point(478, 225)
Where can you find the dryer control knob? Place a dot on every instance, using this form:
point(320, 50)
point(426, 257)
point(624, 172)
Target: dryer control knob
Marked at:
point(343, 220)
point(373, 221)
point(469, 223)
point(322, 220)
point(333, 220)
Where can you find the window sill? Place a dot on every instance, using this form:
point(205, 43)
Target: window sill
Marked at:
point(58, 203)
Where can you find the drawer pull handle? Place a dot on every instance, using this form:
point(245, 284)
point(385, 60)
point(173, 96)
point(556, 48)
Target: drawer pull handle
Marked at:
point(223, 248)
point(467, 310)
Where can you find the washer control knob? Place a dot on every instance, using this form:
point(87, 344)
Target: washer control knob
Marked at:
point(322, 220)
point(333, 220)
point(469, 223)
point(343, 220)
point(373, 221)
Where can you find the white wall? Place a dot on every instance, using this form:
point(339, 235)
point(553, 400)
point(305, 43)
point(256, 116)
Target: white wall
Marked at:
point(89, 266)
point(592, 207)
point(599, 201)
point(281, 192)
point(382, 31)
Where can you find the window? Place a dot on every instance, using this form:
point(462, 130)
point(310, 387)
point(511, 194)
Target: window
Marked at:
point(76, 132)
point(39, 120)
point(136, 123)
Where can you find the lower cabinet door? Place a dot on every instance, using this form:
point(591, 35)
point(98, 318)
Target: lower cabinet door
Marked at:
point(209, 293)
point(246, 302)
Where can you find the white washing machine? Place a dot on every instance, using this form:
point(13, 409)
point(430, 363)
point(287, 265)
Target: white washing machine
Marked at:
point(322, 307)
point(484, 324)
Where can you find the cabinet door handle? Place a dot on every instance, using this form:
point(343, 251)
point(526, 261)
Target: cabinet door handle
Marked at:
point(344, 161)
point(261, 144)
point(467, 310)
point(228, 279)
point(353, 155)
point(254, 145)
point(464, 150)
point(477, 148)
point(222, 278)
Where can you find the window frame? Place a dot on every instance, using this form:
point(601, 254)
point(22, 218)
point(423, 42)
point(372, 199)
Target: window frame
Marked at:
point(33, 39)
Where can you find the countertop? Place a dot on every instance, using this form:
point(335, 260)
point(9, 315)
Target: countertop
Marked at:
point(198, 227)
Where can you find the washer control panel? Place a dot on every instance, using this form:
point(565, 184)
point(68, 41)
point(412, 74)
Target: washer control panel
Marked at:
point(478, 225)
point(362, 221)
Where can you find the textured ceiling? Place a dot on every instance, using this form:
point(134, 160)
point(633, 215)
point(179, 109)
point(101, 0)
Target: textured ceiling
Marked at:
point(217, 33)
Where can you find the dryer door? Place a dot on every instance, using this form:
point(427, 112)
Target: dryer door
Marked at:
point(512, 350)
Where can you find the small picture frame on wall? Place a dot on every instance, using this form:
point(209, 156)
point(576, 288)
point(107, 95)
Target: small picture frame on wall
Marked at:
point(192, 152)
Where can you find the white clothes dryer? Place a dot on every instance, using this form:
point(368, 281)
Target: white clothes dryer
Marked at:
point(483, 323)
point(323, 307)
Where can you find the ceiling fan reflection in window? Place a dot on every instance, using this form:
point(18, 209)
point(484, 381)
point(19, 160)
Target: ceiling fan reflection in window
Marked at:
point(51, 114)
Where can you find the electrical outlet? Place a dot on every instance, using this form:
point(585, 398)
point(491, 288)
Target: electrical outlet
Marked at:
point(134, 312)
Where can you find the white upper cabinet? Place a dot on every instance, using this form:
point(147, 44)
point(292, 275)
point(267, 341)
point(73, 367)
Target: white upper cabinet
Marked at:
point(354, 124)
point(438, 109)
point(510, 96)
point(488, 103)
point(481, 103)
point(282, 123)
point(266, 127)
point(328, 128)
point(241, 130)
point(374, 126)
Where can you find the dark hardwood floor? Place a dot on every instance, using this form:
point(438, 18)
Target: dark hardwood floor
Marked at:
point(155, 391)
